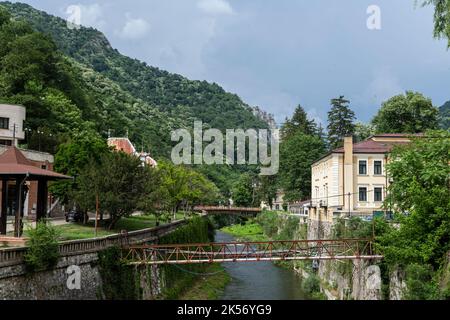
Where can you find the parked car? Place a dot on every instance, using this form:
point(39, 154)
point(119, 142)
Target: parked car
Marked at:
point(74, 216)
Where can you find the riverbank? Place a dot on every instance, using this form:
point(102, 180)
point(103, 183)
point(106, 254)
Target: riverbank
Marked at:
point(209, 286)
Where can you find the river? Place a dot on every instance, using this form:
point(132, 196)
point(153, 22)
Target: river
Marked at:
point(259, 280)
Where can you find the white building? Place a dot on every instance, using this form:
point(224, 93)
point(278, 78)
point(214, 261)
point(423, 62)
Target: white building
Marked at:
point(12, 119)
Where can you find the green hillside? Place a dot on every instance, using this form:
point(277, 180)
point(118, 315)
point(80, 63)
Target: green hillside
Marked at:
point(168, 92)
point(74, 84)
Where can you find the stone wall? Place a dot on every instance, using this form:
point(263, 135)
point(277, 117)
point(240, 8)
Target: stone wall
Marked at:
point(16, 283)
point(343, 280)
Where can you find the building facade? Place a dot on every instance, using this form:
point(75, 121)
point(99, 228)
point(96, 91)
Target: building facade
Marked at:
point(352, 180)
point(12, 119)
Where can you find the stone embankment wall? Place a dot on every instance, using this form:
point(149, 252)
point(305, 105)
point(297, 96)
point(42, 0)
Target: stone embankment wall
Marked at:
point(343, 280)
point(58, 283)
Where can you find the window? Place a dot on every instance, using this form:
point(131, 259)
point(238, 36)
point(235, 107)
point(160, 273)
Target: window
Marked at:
point(362, 194)
point(377, 167)
point(378, 194)
point(4, 123)
point(6, 142)
point(362, 166)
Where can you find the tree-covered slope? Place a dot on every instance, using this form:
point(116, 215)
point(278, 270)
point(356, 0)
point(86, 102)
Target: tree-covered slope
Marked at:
point(168, 92)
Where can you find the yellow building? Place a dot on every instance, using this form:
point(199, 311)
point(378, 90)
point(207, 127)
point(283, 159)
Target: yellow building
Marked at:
point(352, 180)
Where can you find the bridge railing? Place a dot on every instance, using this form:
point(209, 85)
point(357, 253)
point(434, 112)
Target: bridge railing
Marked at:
point(342, 249)
point(13, 256)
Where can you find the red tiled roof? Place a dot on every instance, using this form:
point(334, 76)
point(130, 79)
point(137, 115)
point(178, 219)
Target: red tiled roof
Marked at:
point(368, 146)
point(399, 135)
point(13, 162)
point(122, 144)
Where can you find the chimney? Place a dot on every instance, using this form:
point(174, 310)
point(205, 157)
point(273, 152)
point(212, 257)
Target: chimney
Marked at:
point(348, 173)
point(348, 150)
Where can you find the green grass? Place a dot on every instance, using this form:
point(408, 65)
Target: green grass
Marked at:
point(250, 231)
point(208, 287)
point(75, 231)
point(135, 223)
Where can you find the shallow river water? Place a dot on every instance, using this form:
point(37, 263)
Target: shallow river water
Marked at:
point(259, 280)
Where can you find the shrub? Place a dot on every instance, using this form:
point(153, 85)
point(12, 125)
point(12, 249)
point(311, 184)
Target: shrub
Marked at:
point(43, 249)
point(420, 284)
point(311, 284)
point(119, 280)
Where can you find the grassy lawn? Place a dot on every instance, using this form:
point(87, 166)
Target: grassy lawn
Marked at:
point(250, 231)
point(74, 231)
point(208, 287)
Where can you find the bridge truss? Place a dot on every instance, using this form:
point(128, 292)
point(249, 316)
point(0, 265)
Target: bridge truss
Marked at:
point(342, 249)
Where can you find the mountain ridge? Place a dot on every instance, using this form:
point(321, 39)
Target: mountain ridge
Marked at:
point(88, 46)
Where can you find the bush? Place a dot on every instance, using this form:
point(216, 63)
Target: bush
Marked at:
point(420, 284)
point(269, 222)
point(43, 249)
point(119, 280)
point(311, 284)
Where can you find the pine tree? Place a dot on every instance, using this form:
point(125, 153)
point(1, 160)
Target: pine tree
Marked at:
point(340, 122)
point(299, 123)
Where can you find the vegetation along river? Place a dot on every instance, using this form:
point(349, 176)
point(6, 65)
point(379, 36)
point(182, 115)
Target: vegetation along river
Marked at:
point(259, 280)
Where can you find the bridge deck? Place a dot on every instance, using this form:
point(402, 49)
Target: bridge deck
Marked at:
point(344, 249)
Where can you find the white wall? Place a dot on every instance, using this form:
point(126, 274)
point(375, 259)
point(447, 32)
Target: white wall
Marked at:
point(16, 115)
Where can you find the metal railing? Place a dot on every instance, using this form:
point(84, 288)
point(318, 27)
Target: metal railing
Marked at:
point(342, 249)
point(13, 256)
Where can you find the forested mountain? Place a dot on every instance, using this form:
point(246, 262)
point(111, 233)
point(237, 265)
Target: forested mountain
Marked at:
point(444, 113)
point(74, 84)
point(168, 92)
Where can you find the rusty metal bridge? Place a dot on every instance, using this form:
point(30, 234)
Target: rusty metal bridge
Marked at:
point(341, 249)
point(241, 211)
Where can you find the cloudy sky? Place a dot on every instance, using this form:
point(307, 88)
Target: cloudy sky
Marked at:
point(277, 54)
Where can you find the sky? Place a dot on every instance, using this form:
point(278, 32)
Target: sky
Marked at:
point(277, 54)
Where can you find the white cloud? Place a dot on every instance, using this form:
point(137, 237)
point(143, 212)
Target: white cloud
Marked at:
point(89, 15)
point(134, 28)
point(215, 6)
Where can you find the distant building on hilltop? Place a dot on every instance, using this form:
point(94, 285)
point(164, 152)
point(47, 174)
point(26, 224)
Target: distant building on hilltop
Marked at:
point(125, 145)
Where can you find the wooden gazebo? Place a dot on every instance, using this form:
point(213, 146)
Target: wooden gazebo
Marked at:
point(14, 166)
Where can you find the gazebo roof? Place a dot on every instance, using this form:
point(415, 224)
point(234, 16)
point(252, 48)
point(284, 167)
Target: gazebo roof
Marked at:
point(14, 163)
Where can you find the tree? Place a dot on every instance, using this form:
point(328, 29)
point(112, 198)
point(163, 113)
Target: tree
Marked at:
point(267, 190)
point(363, 131)
point(244, 191)
point(340, 122)
point(119, 180)
point(297, 154)
point(420, 195)
point(406, 113)
point(73, 157)
point(5, 17)
point(298, 123)
point(441, 18)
